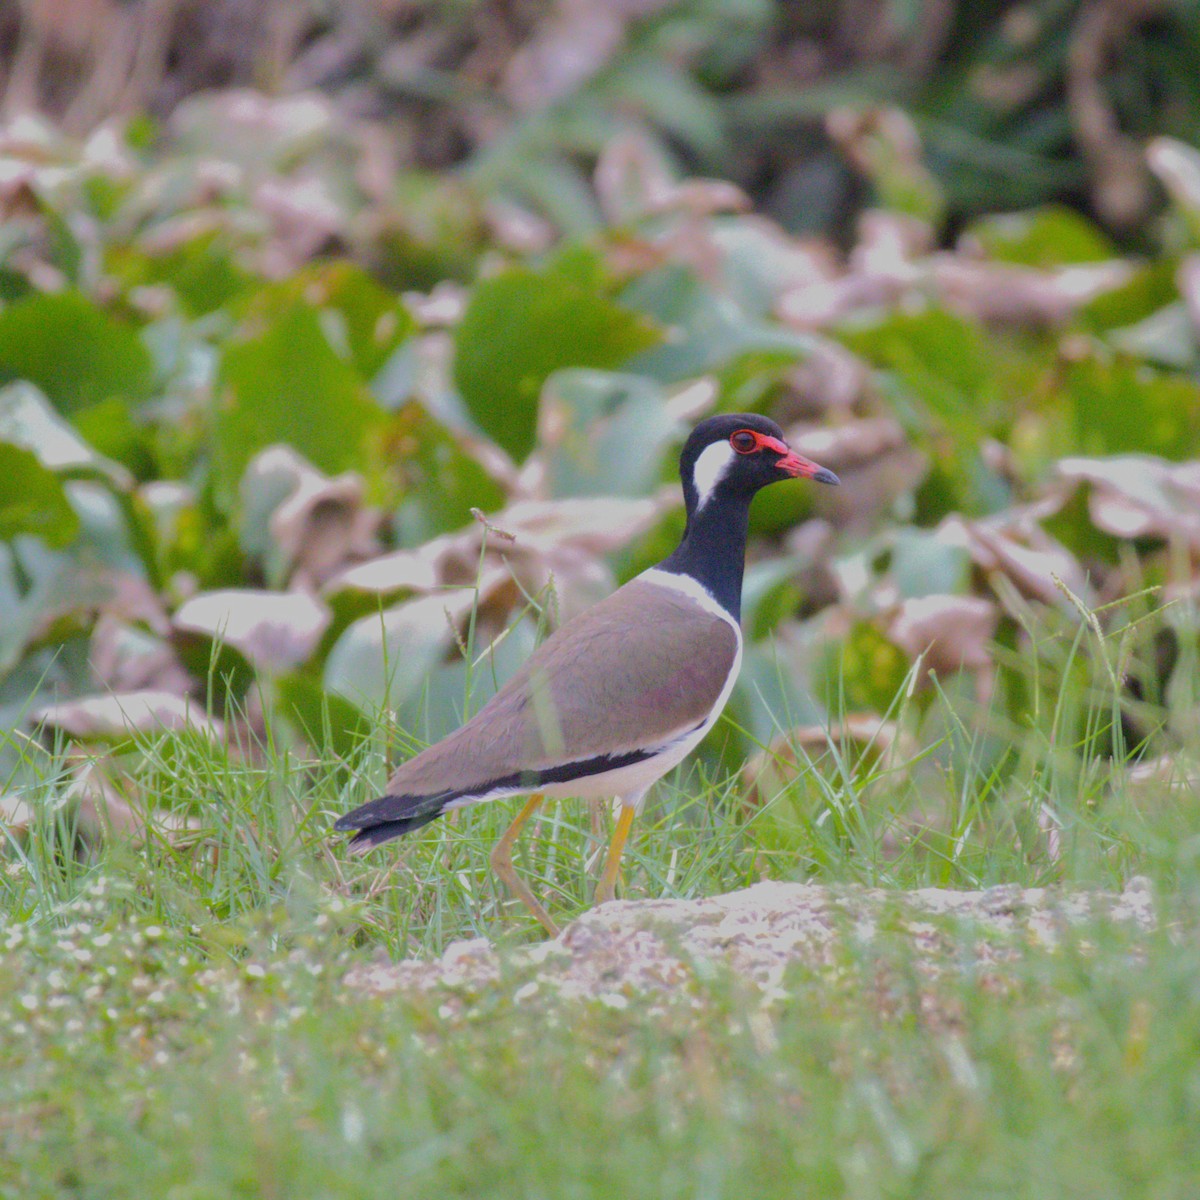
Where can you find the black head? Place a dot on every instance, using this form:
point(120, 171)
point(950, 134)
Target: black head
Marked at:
point(734, 455)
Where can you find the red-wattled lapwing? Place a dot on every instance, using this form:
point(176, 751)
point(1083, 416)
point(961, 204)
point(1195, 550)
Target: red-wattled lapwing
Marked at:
point(621, 693)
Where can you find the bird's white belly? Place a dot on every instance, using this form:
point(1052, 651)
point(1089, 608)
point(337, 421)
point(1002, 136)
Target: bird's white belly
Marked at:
point(629, 784)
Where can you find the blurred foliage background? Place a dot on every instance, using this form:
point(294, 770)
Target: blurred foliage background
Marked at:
point(346, 348)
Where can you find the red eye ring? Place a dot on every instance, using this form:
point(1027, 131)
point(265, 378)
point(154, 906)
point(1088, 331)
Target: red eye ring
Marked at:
point(744, 441)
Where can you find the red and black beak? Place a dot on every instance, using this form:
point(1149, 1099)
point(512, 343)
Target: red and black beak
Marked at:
point(796, 465)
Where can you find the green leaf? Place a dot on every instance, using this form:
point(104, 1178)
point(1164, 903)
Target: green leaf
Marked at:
point(1049, 236)
point(951, 388)
point(1073, 526)
point(1148, 290)
point(521, 327)
point(442, 482)
point(863, 673)
point(32, 499)
point(26, 419)
point(362, 320)
point(383, 659)
point(434, 231)
point(770, 695)
point(202, 272)
point(610, 433)
point(708, 332)
point(1126, 407)
point(75, 352)
point(111, 429)
point(323, 719)
point(289, 386)
point(944, 359)
point(924, 564)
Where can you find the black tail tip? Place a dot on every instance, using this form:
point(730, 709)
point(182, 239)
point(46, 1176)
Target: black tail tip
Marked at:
point(367, 837)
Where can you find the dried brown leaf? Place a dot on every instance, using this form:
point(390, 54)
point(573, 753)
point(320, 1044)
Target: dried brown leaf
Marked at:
point(320, 525)
point(768, 772)
point(948, 633)
point(1134, 496)
point(275, 631)
point(117, 716)
point(1014, 295)
point(1016, 546)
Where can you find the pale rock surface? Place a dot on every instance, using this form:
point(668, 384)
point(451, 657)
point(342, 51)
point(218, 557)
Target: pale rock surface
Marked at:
point(649, 946)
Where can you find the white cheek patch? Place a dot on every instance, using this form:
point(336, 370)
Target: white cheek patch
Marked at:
point(711, 467)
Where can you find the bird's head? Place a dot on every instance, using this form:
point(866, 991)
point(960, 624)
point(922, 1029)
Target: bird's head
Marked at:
point(735, 454)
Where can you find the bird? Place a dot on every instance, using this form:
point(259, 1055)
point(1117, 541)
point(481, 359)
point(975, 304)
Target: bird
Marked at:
point(622, 692)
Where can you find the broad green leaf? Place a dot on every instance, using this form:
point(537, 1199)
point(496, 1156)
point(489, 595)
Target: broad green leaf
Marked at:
point(383, 659)
point(73, 351)
point(442, 482)
point(770, 696)
point(28, 420)
point(363, 321)
point(863, 673)
point(924, 564)
point(1073, 526)
point(522, 326)
point(759, 262)
point(455, 690)
point(202, 272)
point(288, 385)
point(609, 433)
point(32, 499)
point(322, 718)
point(435, 231)
point(1050, 236)
point(670, 98)
point(944, 359)
point(402, 660)
point(111, 429)
point(105, 534)
point(1148, 290)
point(948, 384)
point(13, 285)
point(1126, 407)
point(776, 509)
point(29, 681)
point(708, 332)
point(769, 595)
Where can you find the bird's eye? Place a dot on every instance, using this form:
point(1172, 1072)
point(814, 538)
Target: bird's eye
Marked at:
point(744, 442)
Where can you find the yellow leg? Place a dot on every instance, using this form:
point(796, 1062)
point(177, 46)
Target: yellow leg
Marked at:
point(607, 886)
point(502, 864)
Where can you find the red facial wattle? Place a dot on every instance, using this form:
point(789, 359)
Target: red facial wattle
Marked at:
point(790, 463)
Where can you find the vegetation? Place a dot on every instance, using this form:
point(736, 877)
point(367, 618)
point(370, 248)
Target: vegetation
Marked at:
point(302, 453)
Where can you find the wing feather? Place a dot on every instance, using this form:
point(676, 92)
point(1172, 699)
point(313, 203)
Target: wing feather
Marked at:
point(630, 674)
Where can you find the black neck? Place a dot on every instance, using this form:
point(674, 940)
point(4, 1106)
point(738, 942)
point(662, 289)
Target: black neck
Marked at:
point(713, 550)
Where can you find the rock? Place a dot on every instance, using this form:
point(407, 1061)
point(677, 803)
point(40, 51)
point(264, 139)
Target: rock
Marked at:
point(762, 932)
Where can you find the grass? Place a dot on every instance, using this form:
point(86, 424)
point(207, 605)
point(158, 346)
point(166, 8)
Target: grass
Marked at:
point(173, 1021)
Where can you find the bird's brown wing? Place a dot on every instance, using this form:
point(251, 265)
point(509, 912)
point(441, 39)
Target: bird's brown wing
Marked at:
point(631, 674)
